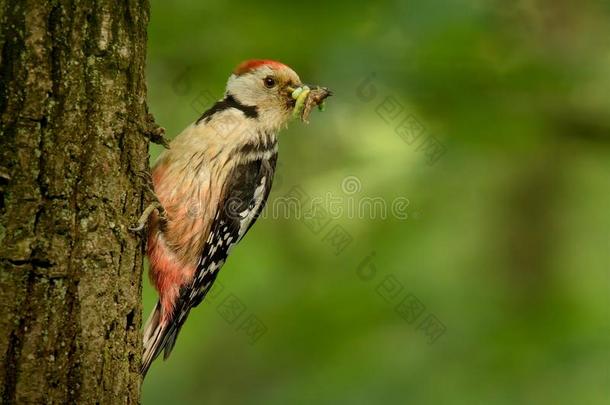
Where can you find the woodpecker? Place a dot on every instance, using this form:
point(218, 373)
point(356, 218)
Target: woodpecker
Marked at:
point(210, 186)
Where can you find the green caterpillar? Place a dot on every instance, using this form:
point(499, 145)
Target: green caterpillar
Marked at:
point(300, 95)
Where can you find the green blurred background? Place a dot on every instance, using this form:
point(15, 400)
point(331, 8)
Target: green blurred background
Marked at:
point(504, 247)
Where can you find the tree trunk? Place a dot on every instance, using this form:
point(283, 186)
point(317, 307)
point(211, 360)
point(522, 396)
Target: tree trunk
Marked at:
point(73, 122)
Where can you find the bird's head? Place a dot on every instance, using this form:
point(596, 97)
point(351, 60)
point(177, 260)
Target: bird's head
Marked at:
point(267, 85)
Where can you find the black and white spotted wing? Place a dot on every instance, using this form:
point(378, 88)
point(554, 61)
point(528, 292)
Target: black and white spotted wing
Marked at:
point(247, 192)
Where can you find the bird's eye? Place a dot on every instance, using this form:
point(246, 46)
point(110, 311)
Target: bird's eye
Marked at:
point(269, 82)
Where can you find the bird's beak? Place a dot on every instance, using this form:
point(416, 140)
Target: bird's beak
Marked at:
point(295, 92)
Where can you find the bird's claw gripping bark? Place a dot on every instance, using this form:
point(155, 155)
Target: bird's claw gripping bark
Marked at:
point(143, 220)
point(146, 182)
point(155, 205)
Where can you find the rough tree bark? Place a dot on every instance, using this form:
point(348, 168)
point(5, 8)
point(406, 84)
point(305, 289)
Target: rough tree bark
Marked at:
point(73, 137)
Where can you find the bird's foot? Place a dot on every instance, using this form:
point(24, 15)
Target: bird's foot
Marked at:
point(143, 220)
point(146, 182)
point(155, 205)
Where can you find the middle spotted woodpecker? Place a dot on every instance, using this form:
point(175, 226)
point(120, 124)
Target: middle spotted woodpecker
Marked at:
point(210, 186)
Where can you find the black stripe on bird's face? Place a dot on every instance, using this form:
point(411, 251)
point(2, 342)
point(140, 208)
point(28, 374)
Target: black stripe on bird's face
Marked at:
point(229, 101)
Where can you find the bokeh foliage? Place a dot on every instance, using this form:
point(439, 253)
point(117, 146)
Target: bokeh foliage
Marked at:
point(506, 240)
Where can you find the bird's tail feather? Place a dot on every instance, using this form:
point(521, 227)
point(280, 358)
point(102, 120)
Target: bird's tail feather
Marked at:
point(170, 341)
point(155, 337)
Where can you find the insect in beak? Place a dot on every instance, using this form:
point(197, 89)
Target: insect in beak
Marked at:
point(306, 98)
